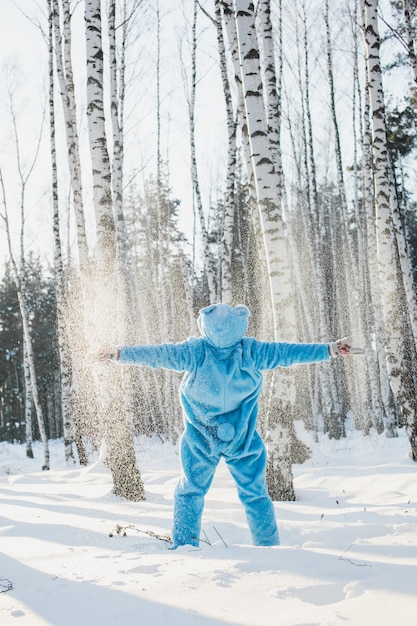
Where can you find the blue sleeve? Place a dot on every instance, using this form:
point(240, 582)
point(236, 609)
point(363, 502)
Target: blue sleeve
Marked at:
point(269, 355)
point(180, 357)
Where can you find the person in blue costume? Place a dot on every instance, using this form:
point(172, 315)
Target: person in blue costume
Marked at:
point(219, 394)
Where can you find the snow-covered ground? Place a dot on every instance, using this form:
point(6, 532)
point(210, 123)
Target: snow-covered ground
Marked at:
point(348, 553)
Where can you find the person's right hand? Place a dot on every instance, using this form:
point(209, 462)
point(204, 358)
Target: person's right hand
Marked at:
point(106, 354)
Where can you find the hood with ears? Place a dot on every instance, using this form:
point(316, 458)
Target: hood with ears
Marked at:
point(222, 325)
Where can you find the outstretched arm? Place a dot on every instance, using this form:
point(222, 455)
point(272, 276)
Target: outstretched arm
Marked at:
point(173, 356)
point(269, 355)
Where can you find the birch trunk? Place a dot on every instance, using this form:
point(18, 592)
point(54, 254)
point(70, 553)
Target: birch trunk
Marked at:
point(18, 273)
point(326, 377)
point(228, 14)
point(61, 300)
point(77, 285)
point(400, 375)
point(230, 195)
point(272, 86)
point(67, 90)
point(120, 454)
point(18, 278)
point(209, 272)
point(404, 259)
point(266, 181)
point(346, 261)
point(28, 406)
point(117, 96)
point(378, 412)
point(410, 37)
point(32, 371)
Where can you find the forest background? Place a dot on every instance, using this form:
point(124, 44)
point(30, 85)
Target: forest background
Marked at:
point(159, 156)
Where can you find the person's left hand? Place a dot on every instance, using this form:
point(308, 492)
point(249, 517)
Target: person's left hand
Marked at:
point(342, 347)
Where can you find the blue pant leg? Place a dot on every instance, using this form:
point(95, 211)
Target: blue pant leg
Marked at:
point(198, 468)
point(248, 469)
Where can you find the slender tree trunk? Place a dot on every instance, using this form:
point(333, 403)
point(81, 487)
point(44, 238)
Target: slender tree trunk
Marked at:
point(328, 382)
point(346, 262)
point(18, 274)
point(117, 91)
point(401, 379)
point(230, 195)
point(410, 37)
point(280, 434)
point(19, 283)
point(61, 300)
point(366, 245)
point(78, 283)
point(28, 406)
point(272, 86)
point(66, 83)
point(209, 271)
point(120, 454)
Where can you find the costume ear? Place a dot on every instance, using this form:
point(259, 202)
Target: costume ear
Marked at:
point(242, 310)
point(207, 309)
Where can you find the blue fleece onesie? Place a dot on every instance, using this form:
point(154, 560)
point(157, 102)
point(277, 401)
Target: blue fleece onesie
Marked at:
point(219, 394)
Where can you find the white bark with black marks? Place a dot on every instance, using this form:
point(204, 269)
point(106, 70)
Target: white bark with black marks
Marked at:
point(59, 272)
point(267, 191)
point(120, 454)
point(63, 43)
point(401, 379)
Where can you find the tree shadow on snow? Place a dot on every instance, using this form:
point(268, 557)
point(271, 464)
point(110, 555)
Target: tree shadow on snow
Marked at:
point(58, 600)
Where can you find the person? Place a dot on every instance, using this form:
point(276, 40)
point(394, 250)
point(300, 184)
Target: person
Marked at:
point(219, 394)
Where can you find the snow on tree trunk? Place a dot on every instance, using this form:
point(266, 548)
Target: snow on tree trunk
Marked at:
point(119, 449)
point(400, 373)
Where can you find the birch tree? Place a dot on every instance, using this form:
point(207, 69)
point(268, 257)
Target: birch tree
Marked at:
point(307, 234)
point(410, 35)
point(400, 371)
point(61, 289)
point(406, 31)
point(377, 412)
point(345, 261)
point(77, 279)
point(28, 405)
point(118, 86)
point(18, 278)
point(24, 173)
point(230, 192)
point(239, 17)
point(191, 86)
point(119, 451)
point(63, 43)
